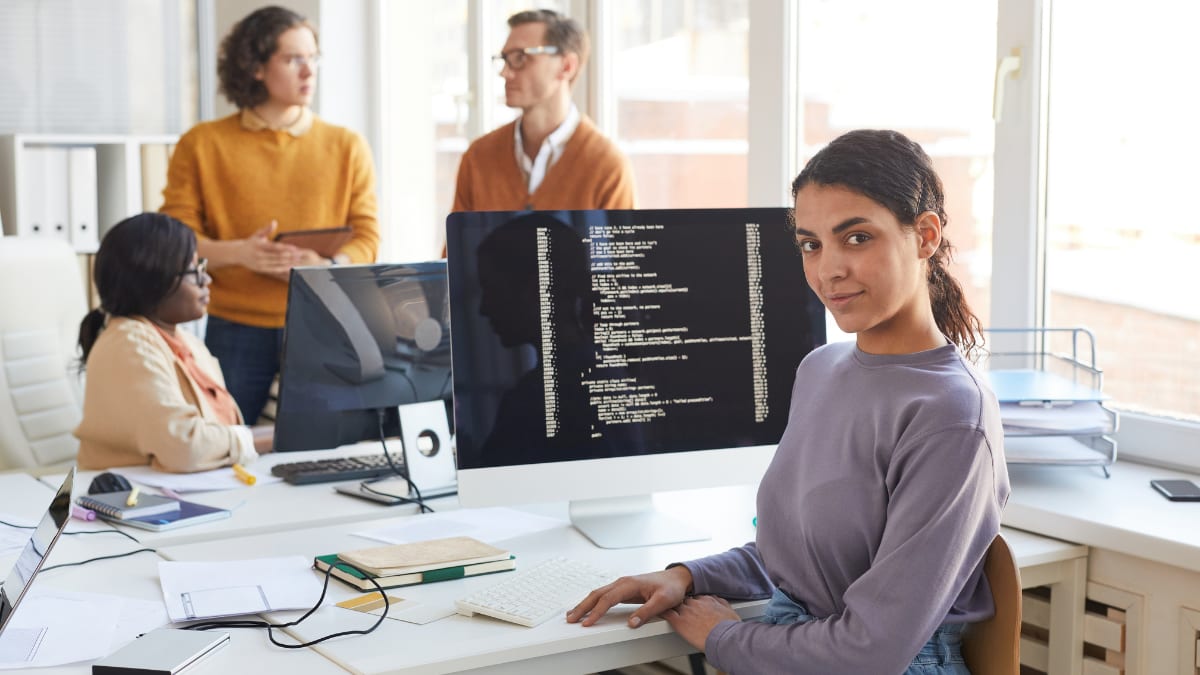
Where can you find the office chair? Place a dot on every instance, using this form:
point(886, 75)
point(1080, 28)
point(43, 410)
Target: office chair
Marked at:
point(993, 647)
point(42, 301)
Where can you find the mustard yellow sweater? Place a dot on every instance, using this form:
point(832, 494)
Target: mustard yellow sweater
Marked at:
point(226, 181)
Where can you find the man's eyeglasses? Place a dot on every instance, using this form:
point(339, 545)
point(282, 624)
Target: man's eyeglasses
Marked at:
point(200, 271)
point(295, 61)
point(515, 58)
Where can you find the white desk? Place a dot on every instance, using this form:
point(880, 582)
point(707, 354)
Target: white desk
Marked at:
point(137, 577)
point(266, 508)
point(480, 644)
point(1122, 513)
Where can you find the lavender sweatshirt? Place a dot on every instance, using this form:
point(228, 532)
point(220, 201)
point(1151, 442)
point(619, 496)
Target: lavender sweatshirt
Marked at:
point(875, 514)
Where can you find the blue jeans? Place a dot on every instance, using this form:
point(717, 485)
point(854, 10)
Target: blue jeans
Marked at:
point(249, 359)
point(942, 655)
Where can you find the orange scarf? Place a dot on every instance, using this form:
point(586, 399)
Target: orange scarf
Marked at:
point(223, 405)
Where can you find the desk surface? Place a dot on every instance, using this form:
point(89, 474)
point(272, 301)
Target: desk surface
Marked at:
point(265, 508)
point(461, 644)
point(1122, 513)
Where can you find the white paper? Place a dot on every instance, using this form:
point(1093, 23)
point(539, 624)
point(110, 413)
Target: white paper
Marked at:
point(202, 590)
point(411, 611)
point(13, 539)
point(488, 525)
point(53, 627)
point(217, 479)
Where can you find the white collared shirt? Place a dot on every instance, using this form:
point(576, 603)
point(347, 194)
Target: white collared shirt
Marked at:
point(551, 151)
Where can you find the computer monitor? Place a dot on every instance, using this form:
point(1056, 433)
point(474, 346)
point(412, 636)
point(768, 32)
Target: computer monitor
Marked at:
point(603, 356)
point(358, 341)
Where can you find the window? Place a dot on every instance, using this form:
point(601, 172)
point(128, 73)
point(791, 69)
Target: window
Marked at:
point(680, 80)
point(926, 73)
point(1122, 228)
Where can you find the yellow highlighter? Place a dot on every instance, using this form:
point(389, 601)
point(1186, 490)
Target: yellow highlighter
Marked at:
point(131, 500)
point(244, 475)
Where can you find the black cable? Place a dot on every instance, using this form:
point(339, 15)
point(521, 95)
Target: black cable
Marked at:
point(422, 507)
point(19, 527)
point(248, 623)
point(89, 560)
point(103, 557)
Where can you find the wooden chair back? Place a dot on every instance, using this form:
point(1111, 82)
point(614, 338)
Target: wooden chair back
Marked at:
point(993, 647)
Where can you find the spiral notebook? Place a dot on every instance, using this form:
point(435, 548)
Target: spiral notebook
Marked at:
point(113, 504)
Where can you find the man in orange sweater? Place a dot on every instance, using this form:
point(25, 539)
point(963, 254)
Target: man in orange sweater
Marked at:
point(551, 157)
point(272, 166)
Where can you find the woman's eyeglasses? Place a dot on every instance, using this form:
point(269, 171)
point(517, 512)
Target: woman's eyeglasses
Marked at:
point(200, 271)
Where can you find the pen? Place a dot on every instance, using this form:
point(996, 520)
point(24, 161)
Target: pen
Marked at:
point(131, 500)
point(82, 513)
point(168, 492)
point(244, 475)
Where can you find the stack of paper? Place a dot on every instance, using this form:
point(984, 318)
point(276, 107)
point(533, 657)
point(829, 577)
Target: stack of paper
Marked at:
point(1084, 417)
point(416, 563)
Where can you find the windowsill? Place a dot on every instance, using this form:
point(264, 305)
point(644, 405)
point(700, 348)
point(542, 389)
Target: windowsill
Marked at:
point(1122, 513)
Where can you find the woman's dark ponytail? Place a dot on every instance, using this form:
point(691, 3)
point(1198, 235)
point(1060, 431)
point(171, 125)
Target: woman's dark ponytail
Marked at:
point(89, 330)
point(950, 310)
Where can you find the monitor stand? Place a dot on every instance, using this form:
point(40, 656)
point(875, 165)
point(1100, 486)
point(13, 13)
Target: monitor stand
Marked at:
point(626, 522)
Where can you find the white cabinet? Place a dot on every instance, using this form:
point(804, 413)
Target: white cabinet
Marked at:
point(73, 187)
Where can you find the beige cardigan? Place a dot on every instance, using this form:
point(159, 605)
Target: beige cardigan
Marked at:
point(141, 407)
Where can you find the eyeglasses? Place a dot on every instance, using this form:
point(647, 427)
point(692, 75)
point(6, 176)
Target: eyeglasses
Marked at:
point(515, 58)
point(200, 271)
point(295, 61)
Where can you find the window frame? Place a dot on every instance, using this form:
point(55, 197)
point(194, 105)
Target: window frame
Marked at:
point(1019, 232)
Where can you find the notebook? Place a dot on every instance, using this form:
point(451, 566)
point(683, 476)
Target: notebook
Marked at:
point(421, 556)
point(44, 536)
point(362, 581)
point(188, 513)
point(113, 504)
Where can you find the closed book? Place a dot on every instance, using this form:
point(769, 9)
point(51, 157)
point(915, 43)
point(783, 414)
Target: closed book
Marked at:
point(113, 504)
point(362, 581)
point(419, 556)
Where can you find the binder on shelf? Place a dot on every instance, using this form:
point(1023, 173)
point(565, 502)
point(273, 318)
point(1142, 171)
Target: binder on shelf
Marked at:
point(43, 209)
point(81, 191)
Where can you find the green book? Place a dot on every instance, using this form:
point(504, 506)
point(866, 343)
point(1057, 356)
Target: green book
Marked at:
point(361, 581)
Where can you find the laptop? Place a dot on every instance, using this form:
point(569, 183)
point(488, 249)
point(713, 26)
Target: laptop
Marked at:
point(44, 536)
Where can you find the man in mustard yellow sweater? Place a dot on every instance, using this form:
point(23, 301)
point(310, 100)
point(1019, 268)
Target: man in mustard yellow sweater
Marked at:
point(551, 157)
point(271, 167)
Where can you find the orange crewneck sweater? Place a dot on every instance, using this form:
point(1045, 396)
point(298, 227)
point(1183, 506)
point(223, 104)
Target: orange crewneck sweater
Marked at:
point(591, 174)
point(226, 181)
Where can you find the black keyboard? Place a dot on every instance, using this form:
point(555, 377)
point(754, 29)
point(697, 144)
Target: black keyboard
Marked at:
point(332, 470)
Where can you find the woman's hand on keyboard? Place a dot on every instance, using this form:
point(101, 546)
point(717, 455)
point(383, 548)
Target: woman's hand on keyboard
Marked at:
point(657, 591)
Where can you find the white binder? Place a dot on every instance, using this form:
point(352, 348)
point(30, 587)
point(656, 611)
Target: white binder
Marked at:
point(44, 202)
point(81, 192)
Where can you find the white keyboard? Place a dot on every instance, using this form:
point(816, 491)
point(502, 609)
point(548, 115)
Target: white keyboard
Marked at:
point(532, 596)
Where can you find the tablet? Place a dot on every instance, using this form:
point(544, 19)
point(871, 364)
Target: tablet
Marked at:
point(326, 242)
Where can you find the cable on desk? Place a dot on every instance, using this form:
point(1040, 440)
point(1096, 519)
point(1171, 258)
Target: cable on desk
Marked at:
point(103, 557)
point(421, 506)
point(247, 623)
point(89, 560)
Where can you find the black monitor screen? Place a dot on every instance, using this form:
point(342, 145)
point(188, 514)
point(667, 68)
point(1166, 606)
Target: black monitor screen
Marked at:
point(360, 339)
point(594, 334)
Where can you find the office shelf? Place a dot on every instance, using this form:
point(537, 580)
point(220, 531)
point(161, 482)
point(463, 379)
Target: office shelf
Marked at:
point(1050, 390)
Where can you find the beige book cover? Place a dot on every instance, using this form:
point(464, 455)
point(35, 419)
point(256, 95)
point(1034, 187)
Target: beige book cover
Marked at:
point(420, 556)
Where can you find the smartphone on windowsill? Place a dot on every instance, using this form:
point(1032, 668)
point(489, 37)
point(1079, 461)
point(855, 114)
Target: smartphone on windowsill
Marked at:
point(1177, 490)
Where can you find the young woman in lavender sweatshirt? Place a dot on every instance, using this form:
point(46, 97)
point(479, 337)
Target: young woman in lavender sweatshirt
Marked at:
point(887, 487)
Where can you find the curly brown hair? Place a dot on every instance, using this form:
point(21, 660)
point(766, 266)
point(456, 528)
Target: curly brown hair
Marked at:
point(248, 47)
